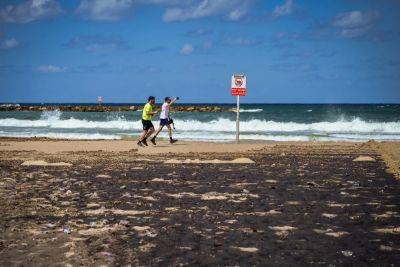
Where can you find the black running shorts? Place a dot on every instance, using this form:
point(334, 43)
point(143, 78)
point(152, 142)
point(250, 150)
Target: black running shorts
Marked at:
point(147, 125)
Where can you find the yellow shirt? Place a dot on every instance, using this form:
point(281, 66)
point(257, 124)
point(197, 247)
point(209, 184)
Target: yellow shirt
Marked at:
point(147, 108)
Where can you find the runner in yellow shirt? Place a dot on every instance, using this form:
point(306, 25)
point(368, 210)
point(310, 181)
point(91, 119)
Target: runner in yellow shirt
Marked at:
point(147, 115)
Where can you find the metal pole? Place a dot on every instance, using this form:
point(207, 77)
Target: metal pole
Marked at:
point(237, 118)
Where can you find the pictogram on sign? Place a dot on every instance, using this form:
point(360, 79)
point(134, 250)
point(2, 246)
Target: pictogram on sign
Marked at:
point(238, 85)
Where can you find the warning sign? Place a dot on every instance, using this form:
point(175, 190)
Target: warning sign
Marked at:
point(238, 85)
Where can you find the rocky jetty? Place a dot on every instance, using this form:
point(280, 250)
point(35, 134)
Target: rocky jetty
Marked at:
point(109, 108)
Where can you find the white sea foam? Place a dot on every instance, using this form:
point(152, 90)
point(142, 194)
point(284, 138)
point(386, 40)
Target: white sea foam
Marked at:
point(71, 123)
point(220, 125)
point(341, 126)
point(51, 124)
point(255, 110)
point(74, 136)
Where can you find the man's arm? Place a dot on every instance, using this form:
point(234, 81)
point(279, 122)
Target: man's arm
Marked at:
point(151, 113)
point(173, 101)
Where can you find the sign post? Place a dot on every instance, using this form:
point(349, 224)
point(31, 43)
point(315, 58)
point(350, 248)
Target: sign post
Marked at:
point(237, 117)
point(238, 88)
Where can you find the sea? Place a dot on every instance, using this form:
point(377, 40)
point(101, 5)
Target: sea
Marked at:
point(276, 122)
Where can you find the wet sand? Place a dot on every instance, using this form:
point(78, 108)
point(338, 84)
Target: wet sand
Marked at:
point(71, 202)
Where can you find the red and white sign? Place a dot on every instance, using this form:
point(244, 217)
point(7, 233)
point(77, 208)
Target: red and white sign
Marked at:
point(238, 85)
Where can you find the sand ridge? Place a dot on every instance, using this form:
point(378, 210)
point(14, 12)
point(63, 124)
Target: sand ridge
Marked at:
point(44, 163)
point(210, 161)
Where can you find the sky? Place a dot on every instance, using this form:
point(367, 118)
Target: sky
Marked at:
point(292, 51)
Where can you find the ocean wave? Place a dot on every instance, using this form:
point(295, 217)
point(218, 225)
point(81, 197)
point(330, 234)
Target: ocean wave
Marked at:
point(255, 110)
point(212, 136)
point(72, 136)
point(280, 137)
point(51, 123)
point(219, 125)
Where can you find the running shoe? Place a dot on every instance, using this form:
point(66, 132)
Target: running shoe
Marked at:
point(153, 140)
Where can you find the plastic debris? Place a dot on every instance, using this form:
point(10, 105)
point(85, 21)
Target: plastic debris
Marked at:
point(347, 253)
point(51, 225)
point(67, 230)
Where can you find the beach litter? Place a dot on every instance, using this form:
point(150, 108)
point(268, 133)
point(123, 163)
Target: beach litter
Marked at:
point(103, 176)
point(51, 225)
point(246, 249)
point(126, 195)
point(106, 254)
point(66, 230)
point(347, 253)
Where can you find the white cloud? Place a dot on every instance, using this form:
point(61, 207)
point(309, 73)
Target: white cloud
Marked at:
point(352, 33)
point(98, 43)
point(104, 10)
point(355, 23)
point(237, 14)
point(187, 49)
point(9, 43)
point(199, 32)
point(30, 10)
point(286, 9)
point(241, 42)
point(229, 9)
point(355, 19)
point(49, 69)
point(113, 10)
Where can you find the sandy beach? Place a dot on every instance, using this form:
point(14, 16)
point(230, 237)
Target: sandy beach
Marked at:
point(74, 203)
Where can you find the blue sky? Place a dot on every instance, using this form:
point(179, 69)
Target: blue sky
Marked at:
point(293, 51)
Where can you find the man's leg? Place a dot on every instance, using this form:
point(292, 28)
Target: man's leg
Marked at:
point(169, 131)
point(158, 130)
point(142, 137)
point(170, 134)
point(153, 140)
point(149, 132)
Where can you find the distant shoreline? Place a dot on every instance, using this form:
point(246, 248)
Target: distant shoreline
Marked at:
point(118, 107)
point(110, 108)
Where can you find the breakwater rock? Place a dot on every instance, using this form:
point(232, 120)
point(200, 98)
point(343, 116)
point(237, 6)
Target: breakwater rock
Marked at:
point(110, 108)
